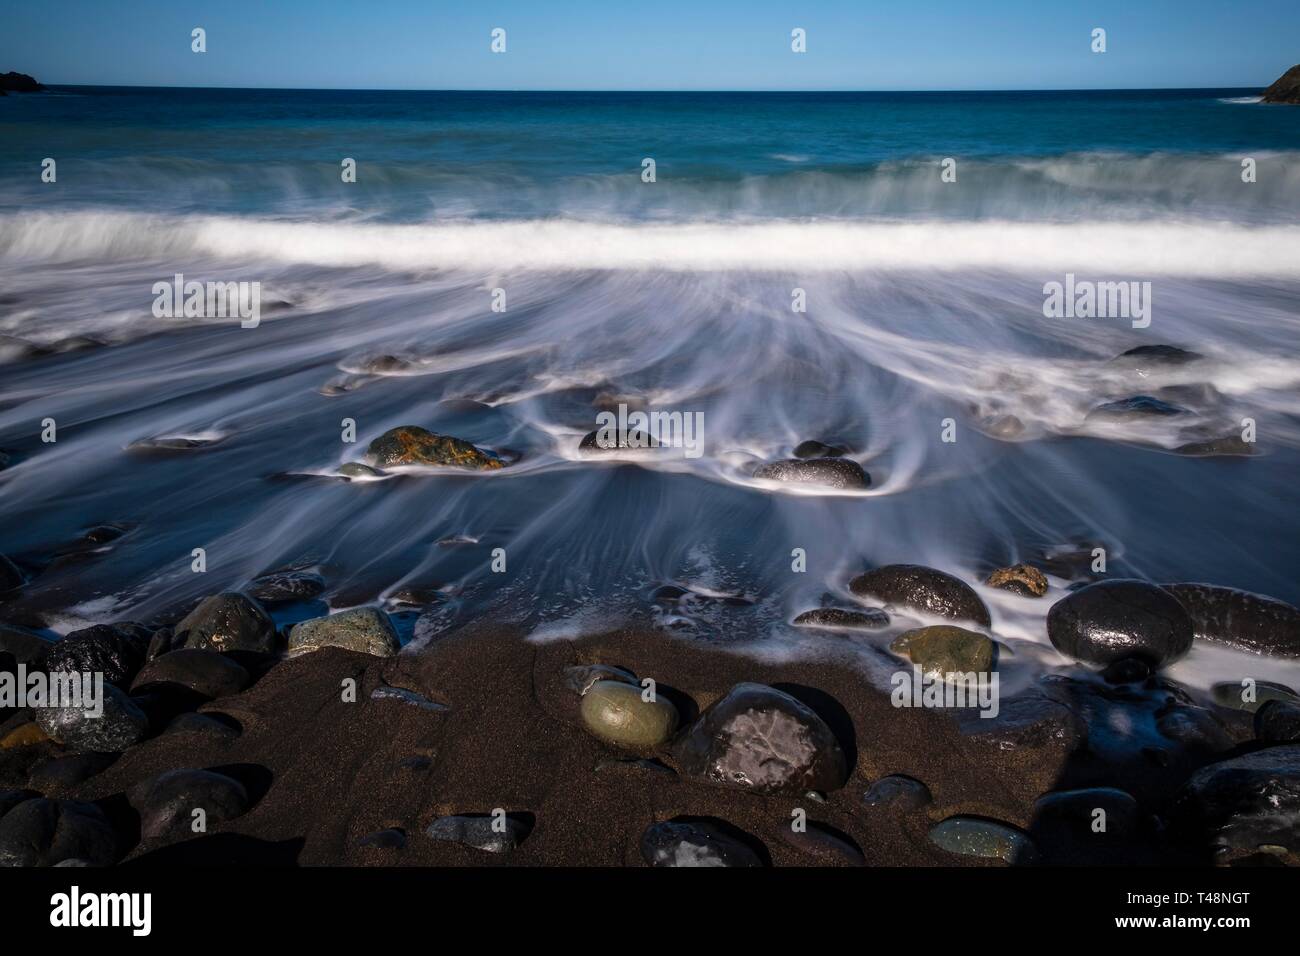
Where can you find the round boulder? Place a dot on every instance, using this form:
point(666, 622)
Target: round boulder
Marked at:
point(616, 713)
point(413, 445)
point(227, 622)
point(761, 739)
point(842, 473)
point(364, 629)
point(121, 724)
point(922, 589)
point(167, 803)
point(43, 832)
point(115, 650)
point(203, 672)
point(1250, 622)
point(694, 843)
point(944, 650)
point(1110, 620)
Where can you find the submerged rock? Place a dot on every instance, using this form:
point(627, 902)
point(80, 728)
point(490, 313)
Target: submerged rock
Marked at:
point(1150, 356)
point(1240, 619)
point(595, 442)
point(694, 843)
point(922, 589)
point(838, 618)
point(761, 739)
point(615, 712)
point(26, 646)
point(815, 449)
point(205, 673)
point(167, 803)
point(42, 832)
point(115, 650)
point(842, 473)
point(1226, 446)
point(364, 629)
point(492, 834)
point(944, 650)
point(357, 469)
point(1110, 620)
point(1022, 579)
point(122, 724)
point(227, 622)
point(975, 836)
point(1136, 408)
point(413, 445)
point(283, 587)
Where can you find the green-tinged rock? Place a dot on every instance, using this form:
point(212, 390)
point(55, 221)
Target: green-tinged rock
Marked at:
point(413, 445)
point(974, 836)
point(364, 629)
point(227, 622)
point(617, 714)
point(943, 649)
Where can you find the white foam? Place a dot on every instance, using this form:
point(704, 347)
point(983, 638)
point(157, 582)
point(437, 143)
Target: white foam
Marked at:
point(1192, 248)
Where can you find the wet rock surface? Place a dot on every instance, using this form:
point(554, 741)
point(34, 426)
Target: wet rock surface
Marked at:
point(227, 622)
point(206, 673)
point(116, 651)
point(168, 803)
point(694, 843)
point(1240, 619)
point(1114, 619)
point(898, 792)
point(1237, 806)
point(762, 739)
point(918, 588)
point(283, 587)
point(122, 724)
point(491, 834)
point(413, 445)
point(367, 630)
point(838, 618)
point(840, 473)
point(617, 713)
point(990, 839)
point(1023, 579)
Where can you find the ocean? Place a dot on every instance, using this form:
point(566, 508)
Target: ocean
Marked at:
point(501, 270)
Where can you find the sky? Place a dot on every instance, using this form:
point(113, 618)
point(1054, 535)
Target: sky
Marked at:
point(653, 44)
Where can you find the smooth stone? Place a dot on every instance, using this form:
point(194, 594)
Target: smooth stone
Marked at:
point(10, 575)
point(1023, 579)
point(283, 587)
point(1114, 619)
point(164, 641)
point(26, 646)
point(1250, 697)
point(844, 473)
point(205, 673)
point(616, 713)
point(898, 792)
point(761, 739)
point(838, 618)
point(116, 651)
point(1278, 721)
point(975, 836)
point(479, 832)
point(1148, 356)
point(1003, 427)
point(64, 773)
point(121, 725)
point(167, 802)
point(413, 445)
point(696, 843)
point(1245, 802)
point(11, 798)
point(364, 629)
point(943, 650)
point(1135, 408)
point(1066, 821)
point(357, 469)
point(44, 832)
point(1126, 670)
point(818, 840)
point(815, 449)
point(1241, 619)
point(229, 621)
point(404, 696)
point(922, 589)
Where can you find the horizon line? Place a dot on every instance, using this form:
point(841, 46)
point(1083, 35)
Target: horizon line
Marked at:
point(378, 89)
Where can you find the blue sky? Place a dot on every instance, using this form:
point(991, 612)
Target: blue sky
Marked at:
point(652, 45)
